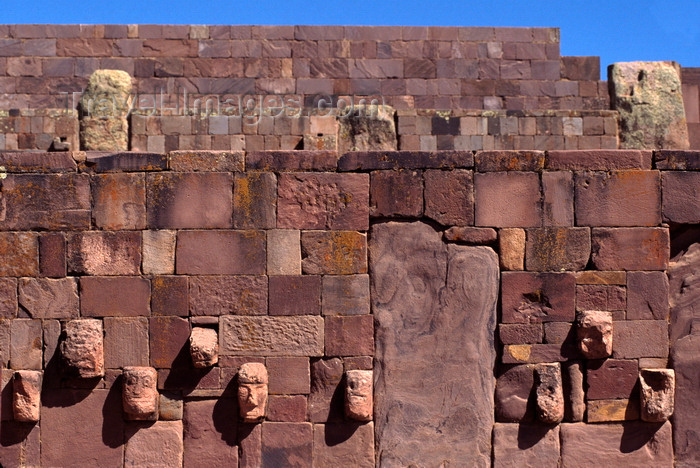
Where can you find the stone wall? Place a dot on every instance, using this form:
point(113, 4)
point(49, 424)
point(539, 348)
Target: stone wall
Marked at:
point(691, 99)
point(270, 251)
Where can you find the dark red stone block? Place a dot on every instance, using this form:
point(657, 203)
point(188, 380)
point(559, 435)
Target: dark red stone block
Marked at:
point(326, 399)
point(612, 378)
point(287, 444)
point(167, 336)
point(630, 248)
point(537, 297)
point(520, 333)
point(681, 203)
point(600, 297)
point(254, 201)
point(634, 339)
point(52, 255)
point(119, 201)
point(396, 193)
point(291, 160)
point(210, 433)
point(647, 295)
point(117, 296)
point(222, 295)
point(491, 161)
point(677, 160)
point(169, 296)
point(580, 68)
point(515, 394)
point(598, 160)
point(349, 335)
point(557, 248)
point(36, 161)
point(8, 298)
point(295, 295)
point(375, 160)
point(288, 375)
point(128, 162)
point(284, 408)
point(220, 253)
point(449, 197)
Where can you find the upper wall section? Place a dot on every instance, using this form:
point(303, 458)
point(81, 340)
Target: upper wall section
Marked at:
point(691, 99)
point(410, 67)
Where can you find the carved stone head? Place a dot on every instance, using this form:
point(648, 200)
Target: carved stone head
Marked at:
point(358, 395)
point(595, 333)
point(140, 393)
point(252, 391)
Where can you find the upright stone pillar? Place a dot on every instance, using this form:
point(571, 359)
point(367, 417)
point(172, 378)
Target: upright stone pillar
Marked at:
point(104, 109)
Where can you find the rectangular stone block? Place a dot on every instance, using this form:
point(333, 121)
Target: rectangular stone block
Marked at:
point(396, 193)
point(104, 253)
point(677, 160)
point(131, 161)
point(449, 197)
point(333, 252)
point(376, 160)
point(598, 160)
point(189, 200)
point(520, 333)
point(525, 445)
point(158, 252)
point(347, 443)
point(612, 378)
point(621, 198)
point(119, 201)
point(288, 375)
point(119, 296)
point(537, 297)
point(52, 255)
point(507, 199)
point(612, 410)
point(206, 161)
point(168, 339)
point(287, 444)
point(255, 200)
point(535, 353)
point(210, 438)
point(680, 201)
point(630, 248)
point(496, 161)
point(19, 254)
point(601, 297)
point(169, 296)
point(640, 339)
point(345, 295)
point(125, 342)
point(323, 201)
point(222, 295)
point(45, 298)
point(37, 162)
point(50, 201)
point(220, 253)
point(295, 295)
point(647, 295)
point(8, 298)
point(25, 344)
point(271, 336)
point(601, 277)
point(291, 160)
point(558, 201)
point(557, 249)
point(349, 335)
point(283, 252)
point(154, 444)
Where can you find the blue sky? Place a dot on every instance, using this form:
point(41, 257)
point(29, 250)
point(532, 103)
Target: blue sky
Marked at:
point(614, 30)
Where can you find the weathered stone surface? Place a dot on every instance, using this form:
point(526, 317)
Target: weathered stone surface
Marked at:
point(684, 292)
point(25, 344)
point(94, 420)
point(26, 388)
point(515, 394)
point(686, 430)
point(680, 197)
point(159, 444)
point(640, 339)
point(657, 387)
point(83, 349)
point(283, 252)
point(250, 442)
point(127, 161)
point(125, 342)
point(525, 445)
point(557, 249)
point(167, 337)
point(220, 253)
point(169, 295)
point(295, 295)
point(630, 248)
point(648, 97)
point(104, 253)
point(348, 444)
point(612, 410)
point(449, 197)
point(470, 235)
point(52, 255)
point(574, 394)
point(550, 393)
point(359, 402)
point(676, 160)
point(536, 353)
point(49, 298)
point(255, 200)
point(210, 433)
point(21, 444)
point(287, 444)
point(119, 201)
point(37, 161)
point(104, 106)
point(204, 347)
point(371, 128)
point(601, 297)
point(611, 378)
point(189, 200)
point(621, 198)
point(140, 393)
point(103, 296)
point(537, 297)
point(345, 295)
point(326, 399)
point(19, 254)
point(158, 252)
point(374, 160)
point(647, 295)
point(558, 198)
point(170, 407)
point(221, 295)
point(333, 252)
point(511, 245)
point(447, 303)
point(520, 333)
point(8, 298)
point(252, 391)
point(206, 161)
point(271, 336)
point(630, 444)
point(288, 375)
point(601, 277)
point(495, 161)
point(291, 160)
point(48, 201)
point(508, 199)
point(595, 333)
point(349, 335)
point(323, 201)
point(396, 193)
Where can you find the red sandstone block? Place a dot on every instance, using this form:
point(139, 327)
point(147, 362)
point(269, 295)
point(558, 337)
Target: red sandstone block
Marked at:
point(83, 47)
point(291, 160)
point(287, 444)
point(169, 296)
point(612, 378)
point(220, 253)
point(131, 161)
point(647, 295)
point(520, 333)
point(625, 198)
point(491, 161)
point(580, 68)
point(600, 297)
point(333, 252)
point(104, 253)
point(119, 296)
point(640, 339)
point(189, 200)
point(558, 198)
point(286, 408)
point(119, 201)
point(598, 160)
point(680, 200)
point(349, 335)
point(557, 249)
point(295, 295)
point(167, 337)
point(630, 248)
point(19, 254)
point(25, 344)
point(209, 436)
point(396, 193)
point(125, 342)
point(8, 298)
point(170, 48)
point(288, 375)
point(38, 162)
point(507, 199)
point(537, 297)
point(223, 295)
point(52, 255)
point(254, 200)
point(535, 353)
point(449, 197)
point(376, 160)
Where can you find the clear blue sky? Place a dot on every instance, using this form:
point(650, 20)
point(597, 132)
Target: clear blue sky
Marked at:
point(615, 30)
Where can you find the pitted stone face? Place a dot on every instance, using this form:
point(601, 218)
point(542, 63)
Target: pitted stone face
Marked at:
point(595, 333)
point(82, 348)
point(359, 403)
point(140, 393)
point(252, 391)
point(27, 395)
point(550, 393)
point(204, 347)
point(657, 388)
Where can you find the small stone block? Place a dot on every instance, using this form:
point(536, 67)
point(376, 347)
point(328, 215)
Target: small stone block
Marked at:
point(557, 248)
point(396, 193)
point(351, 335)
point(345, 295)
point(295, 295)
point(283, 252)
point(471, 235)
point(611, 378)
point(511, 244)
point(612, 410)
point(158, 252)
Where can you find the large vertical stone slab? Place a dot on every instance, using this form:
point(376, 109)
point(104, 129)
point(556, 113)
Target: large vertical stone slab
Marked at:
point(435, 312)
point(685, 356)
point(104, 107)
point(648, 97)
